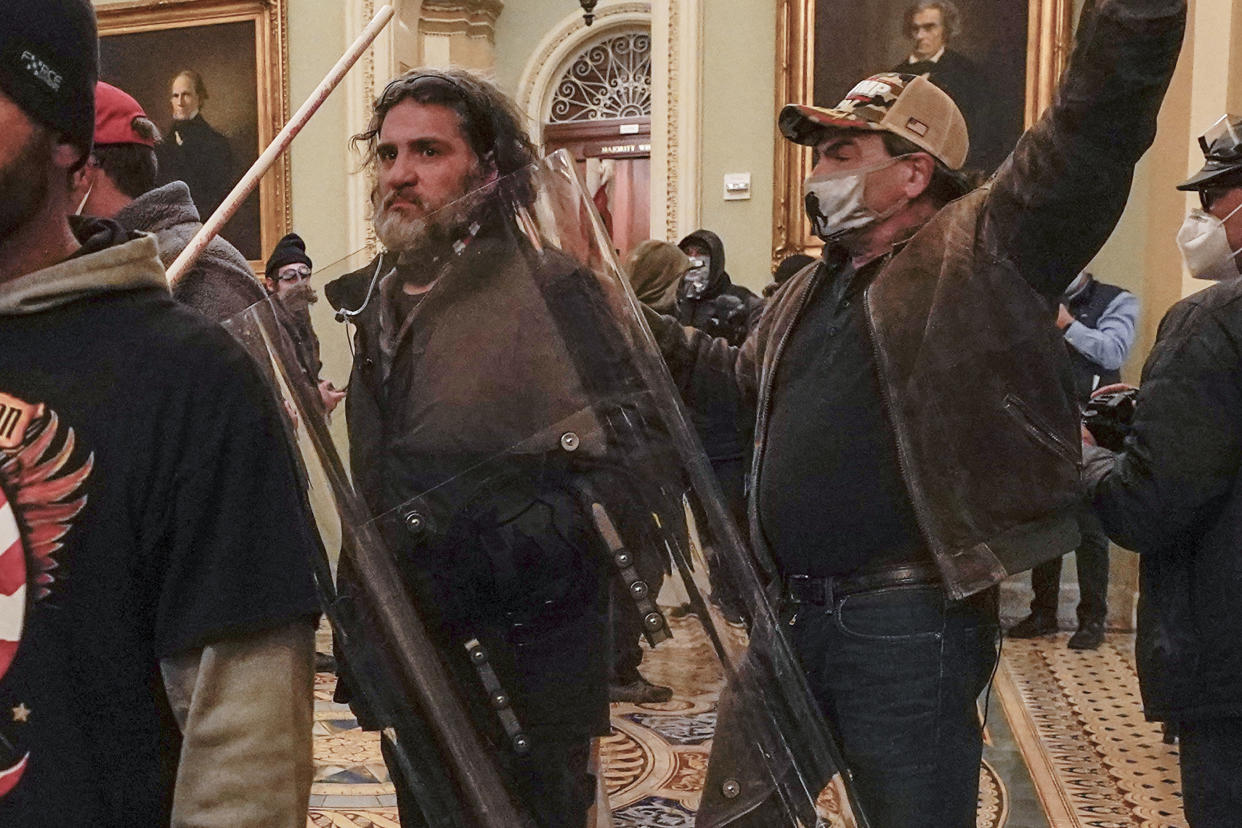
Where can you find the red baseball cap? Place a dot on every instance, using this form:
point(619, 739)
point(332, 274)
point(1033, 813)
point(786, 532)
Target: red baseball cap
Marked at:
point(115, 112)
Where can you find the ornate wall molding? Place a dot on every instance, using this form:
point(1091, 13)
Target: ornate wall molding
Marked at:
point(469, 18)
point(547, 62)
point(459, 33)
point(608, 80)
point(677, 74)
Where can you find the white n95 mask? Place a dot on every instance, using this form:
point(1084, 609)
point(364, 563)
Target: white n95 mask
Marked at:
point(1205, 246)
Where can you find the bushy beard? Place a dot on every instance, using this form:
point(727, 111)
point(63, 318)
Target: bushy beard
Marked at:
point(438, 226)
point(24, 185)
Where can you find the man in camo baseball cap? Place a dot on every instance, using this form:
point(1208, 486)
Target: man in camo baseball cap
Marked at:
point(909, 106)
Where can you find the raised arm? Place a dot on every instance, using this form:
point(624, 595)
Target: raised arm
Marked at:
point(1057, 198)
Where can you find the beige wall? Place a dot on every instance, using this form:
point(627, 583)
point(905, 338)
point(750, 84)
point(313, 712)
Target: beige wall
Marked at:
point(739, 133)
point(520, 27)
point(320, 161)
point(736, 104)
point(1142, 254)
point(737, 107)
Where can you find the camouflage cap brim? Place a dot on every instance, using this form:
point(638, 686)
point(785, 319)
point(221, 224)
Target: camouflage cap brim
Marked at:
point(804, 124)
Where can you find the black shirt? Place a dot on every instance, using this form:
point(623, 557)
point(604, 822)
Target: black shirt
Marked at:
point(158, 510)
point(831, 497)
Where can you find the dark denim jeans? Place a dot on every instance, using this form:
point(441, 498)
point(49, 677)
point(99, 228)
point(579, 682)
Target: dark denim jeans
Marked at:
point(1092, 557)
point(898, 672)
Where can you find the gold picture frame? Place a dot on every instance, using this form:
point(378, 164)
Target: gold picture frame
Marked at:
point(237, 45)
point(1049, 38)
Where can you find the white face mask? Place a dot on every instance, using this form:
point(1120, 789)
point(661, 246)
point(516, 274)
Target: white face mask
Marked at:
point(835, 205)
point(697, 278)
point(1205, 246)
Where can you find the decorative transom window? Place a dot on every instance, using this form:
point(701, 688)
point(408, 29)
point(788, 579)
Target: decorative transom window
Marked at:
point(608, 80)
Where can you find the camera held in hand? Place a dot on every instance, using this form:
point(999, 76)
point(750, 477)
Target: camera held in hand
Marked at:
point(1109, 414)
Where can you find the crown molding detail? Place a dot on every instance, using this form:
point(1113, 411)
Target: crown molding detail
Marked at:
point(676, 72)
point(469, 19)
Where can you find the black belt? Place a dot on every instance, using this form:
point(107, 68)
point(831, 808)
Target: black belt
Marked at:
point(824, 590)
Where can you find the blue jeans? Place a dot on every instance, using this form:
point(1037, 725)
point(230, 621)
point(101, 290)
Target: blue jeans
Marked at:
point(898, 671)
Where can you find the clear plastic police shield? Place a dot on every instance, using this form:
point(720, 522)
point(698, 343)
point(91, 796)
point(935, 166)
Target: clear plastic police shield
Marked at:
point(535, 555)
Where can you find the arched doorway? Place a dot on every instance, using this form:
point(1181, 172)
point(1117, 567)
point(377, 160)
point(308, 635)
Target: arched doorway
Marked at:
point(600, 111)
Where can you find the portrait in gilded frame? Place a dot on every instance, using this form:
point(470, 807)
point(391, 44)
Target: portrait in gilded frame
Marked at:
point(211, 75)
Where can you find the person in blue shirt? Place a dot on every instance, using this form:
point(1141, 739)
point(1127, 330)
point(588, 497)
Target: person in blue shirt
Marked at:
point(1098, 321)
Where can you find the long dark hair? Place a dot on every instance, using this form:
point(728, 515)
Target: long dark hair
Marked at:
point(488, 120)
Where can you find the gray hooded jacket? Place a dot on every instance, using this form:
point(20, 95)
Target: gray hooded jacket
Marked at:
point(221, 283)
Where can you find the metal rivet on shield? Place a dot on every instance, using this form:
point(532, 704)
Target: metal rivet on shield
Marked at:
point(653, 621)
point(500, 701)
point(521, 744)
point(415, 522)
point(623, 560)
point(639, 589)
point(730, 789)
point(478, 656)
point(570, 441)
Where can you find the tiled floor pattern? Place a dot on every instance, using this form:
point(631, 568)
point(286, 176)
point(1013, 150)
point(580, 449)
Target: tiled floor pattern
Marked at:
point(1077, 718)
point(1070, 749)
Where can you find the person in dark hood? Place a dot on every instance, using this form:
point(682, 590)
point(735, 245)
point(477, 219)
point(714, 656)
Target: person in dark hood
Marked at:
point(708, 299)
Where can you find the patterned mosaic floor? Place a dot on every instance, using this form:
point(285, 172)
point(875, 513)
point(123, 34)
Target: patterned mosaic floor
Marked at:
point(1066, 747)
point(1093, 759)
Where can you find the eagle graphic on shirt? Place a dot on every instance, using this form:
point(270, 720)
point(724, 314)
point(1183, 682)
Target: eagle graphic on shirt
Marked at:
point(40, 495)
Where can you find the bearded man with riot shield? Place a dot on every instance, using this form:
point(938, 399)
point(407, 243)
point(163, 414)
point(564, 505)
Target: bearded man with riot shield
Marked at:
point(462, 332)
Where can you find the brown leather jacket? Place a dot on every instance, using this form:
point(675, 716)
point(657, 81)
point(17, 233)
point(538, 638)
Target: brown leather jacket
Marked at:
point(974, 373)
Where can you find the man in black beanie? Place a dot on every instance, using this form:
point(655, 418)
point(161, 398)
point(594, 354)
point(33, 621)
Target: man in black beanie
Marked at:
point(287, 281)
point(156, 630)
point(288, 266)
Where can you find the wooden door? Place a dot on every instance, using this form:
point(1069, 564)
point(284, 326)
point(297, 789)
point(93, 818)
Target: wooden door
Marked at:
point(614, 162)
